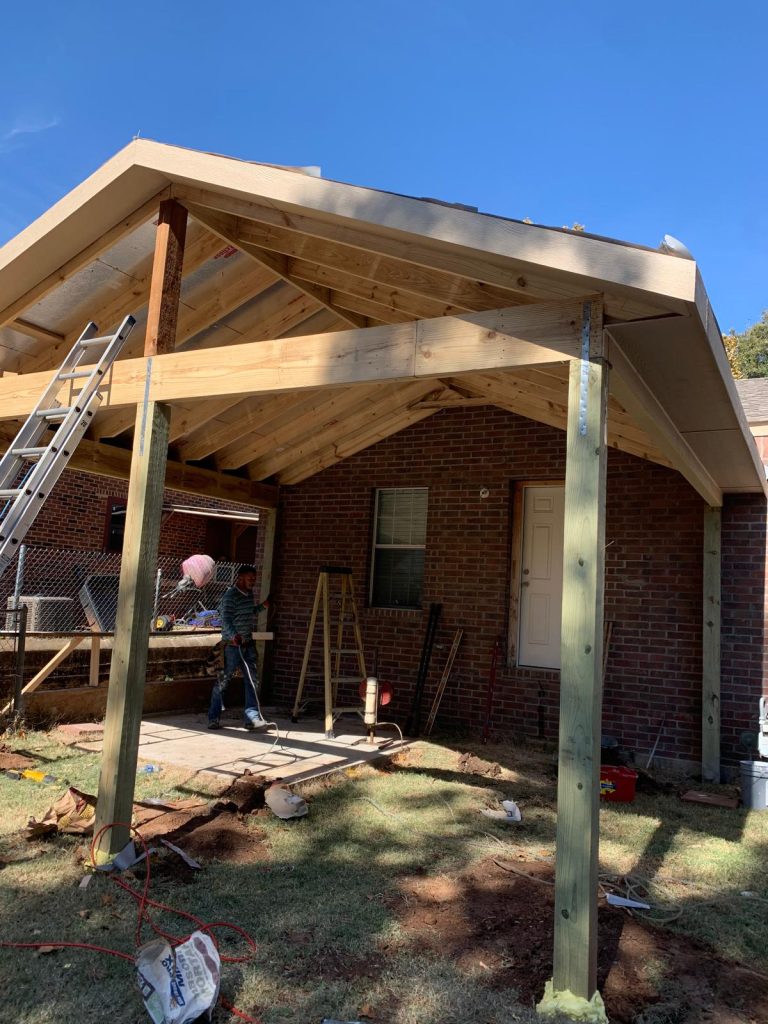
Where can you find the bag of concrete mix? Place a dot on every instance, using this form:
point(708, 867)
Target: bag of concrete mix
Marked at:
point(181, 984)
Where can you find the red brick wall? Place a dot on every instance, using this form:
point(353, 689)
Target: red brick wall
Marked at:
point(653, 581)
point(74, 516)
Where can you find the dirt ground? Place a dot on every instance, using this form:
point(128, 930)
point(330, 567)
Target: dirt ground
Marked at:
point(490, 919)
point(14, 760)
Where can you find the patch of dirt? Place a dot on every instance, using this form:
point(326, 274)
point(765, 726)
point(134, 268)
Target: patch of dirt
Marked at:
point(222, 837)
point(10, 759)
point(502, 923)
point(477, 766)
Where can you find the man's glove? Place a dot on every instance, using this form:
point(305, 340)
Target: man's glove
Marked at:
point(237, 640)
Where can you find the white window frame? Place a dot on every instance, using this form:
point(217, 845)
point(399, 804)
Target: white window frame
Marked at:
point(391, 547)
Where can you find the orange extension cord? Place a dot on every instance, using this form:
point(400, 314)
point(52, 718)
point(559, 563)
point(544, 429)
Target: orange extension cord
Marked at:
point(143, 917)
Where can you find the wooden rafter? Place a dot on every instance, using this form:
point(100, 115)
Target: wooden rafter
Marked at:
point(359, 410)
point(399, 274)
point(526, 279)
point(81, 259)
point(222, 225)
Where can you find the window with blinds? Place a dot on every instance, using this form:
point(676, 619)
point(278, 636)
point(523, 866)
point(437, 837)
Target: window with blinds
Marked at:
point(399, 539)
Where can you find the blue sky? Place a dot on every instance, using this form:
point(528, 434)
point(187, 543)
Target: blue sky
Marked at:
point(634, 119)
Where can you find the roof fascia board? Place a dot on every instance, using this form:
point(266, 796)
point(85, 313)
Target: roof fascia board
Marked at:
point(642, 272)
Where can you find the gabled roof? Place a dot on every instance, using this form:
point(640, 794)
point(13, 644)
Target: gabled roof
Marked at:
point(275, 252)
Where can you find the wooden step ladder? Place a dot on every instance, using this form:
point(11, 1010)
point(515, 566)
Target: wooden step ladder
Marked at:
point(344, 595)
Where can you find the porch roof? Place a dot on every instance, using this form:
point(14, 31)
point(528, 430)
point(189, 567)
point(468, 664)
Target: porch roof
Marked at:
point(275, 254)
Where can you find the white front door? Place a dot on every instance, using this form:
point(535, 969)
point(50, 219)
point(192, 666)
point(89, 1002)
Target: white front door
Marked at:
point(541, 592)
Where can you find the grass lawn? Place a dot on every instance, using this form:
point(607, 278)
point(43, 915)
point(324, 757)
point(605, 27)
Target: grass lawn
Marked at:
point(383, 902)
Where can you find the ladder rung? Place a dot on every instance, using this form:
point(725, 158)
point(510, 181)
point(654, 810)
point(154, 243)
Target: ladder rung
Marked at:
point(75, 374)
point(11, 492)
point(28, 453)
point(346, 679)
point(90, 342)
point(54, 414)
point(344, 650)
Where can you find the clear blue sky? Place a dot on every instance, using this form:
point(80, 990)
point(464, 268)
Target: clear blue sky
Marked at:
point(635, 119)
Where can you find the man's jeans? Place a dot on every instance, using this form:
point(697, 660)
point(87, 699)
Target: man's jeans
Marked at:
point(233, 660)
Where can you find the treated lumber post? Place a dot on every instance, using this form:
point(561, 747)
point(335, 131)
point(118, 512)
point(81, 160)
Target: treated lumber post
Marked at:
point(710, 707)
point(142, 534)
point(581, 682)
point(268, 557)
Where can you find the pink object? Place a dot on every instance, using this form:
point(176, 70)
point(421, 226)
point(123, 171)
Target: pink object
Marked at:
point(199, 568)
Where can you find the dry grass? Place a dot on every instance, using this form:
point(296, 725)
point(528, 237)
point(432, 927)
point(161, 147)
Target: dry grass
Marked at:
point(318, 907)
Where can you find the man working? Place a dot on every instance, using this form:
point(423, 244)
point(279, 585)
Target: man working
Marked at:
point(238, 621)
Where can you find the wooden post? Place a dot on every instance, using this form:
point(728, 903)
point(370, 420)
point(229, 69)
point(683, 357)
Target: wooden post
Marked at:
point(710, 706)
point(142, 534)
point(93, 669)
point(575, 945)
point(267, 523)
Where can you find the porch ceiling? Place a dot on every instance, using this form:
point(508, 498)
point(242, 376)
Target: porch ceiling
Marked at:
point(275, 253)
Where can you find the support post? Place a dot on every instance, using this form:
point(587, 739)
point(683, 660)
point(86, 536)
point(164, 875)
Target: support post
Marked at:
point(268, 557)
point(142, 534)
point(581, 683)
point(710, 707)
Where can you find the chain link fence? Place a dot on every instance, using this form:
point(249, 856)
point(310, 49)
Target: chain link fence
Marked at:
point(50, 596)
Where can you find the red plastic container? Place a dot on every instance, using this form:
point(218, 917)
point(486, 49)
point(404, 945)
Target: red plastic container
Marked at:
point(617, 784)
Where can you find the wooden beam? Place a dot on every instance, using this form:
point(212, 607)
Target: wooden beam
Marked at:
point(34, 331)
point(94, 661)
point(581, 683)
point(635, 396)
point(40, 676)
point(107, 460)
point(278, 264)
point(399, 274)
point(84, 257)
point(135, 600)
point(448, 346)
point(354, 410)
point(710, 709)
point(481, 248)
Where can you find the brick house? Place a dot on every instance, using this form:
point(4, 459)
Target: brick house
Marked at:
point(535, 428)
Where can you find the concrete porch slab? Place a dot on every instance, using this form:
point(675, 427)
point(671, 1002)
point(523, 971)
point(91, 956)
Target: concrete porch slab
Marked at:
point(295, 752)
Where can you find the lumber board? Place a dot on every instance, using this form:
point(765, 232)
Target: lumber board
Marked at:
point(82, 258)
point(353, 411)
point(636, 397)
point(710, 705)
point(581, 682)
point(479, 247)
point(50, 666)
point(134, 614)
point(277, 263)
point(495, 339)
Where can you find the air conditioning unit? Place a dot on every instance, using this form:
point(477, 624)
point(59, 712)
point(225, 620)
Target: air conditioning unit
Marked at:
point(44, 614)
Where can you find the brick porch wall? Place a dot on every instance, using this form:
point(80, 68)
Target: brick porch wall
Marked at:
point(653, 582)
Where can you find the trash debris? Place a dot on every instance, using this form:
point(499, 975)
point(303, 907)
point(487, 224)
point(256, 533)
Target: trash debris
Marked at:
point(72, 813)
point(285, 804)
point(711, 799)
point(190, 861)
point(510, 813)
point(123, 860)
point(622, 901)
point(179, 984)
point(149, 769)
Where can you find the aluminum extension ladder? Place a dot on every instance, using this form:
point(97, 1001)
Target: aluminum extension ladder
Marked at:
point(31, 466)
point(347, 617)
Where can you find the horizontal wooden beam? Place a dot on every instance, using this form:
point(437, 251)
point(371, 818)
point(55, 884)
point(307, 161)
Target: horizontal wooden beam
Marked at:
point(106, 460)
point(635, 396)
point(496, 339)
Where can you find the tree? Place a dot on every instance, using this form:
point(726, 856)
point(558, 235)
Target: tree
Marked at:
point(750, 349)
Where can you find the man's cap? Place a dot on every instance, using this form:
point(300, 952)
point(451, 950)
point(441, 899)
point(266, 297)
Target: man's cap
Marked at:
point(244, 568)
